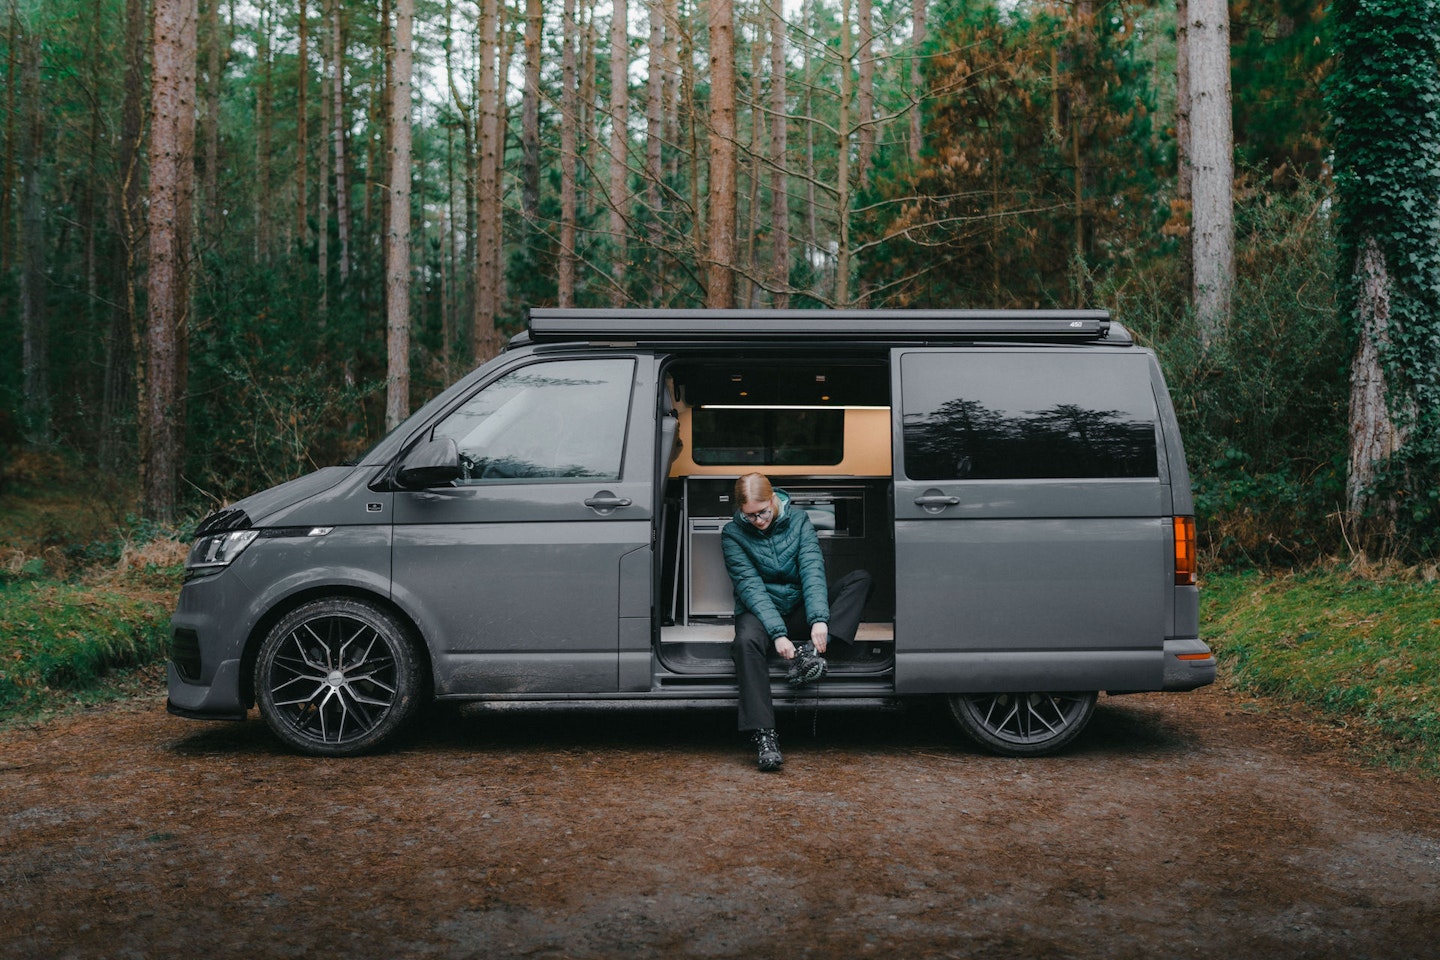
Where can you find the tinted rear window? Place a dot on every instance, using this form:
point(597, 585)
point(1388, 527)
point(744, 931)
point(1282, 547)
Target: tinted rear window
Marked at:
point(1009, 416)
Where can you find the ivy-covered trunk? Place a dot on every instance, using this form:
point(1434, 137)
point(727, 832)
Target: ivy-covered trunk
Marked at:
point(1374, 434)
point(1387, 154)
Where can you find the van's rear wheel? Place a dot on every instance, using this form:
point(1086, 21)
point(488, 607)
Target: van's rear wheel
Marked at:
point(337, 677)
point(1022, 724)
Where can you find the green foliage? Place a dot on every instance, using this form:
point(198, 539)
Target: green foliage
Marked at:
point(1047, 181)
point(1385, 97)
point(1280, 54)
point(81, 91)
point(1042, 170)
point(275, 393)
point(1362, 650)
point(1263, 412)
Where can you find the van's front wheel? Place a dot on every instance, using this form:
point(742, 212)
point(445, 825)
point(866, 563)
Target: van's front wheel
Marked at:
point(337, 677)
point(1022, 724)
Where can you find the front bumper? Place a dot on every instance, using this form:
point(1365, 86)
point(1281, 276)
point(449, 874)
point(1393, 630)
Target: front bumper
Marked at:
point(217, 700)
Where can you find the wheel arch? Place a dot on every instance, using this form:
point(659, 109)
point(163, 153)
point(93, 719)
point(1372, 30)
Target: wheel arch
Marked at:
point(299, 598)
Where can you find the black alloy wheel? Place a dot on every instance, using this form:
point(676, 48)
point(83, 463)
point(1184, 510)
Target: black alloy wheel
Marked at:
point(338, 677)
point(1022, 724)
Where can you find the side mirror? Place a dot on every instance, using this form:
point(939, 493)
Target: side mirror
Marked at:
point(433, 463)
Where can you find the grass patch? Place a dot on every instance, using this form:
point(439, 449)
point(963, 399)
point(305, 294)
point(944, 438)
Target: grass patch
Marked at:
point(66, 643)
point(1363, 647)
point(58, 520)
point(86, 591)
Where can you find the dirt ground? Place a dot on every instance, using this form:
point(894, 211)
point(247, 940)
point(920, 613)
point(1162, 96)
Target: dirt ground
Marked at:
point(1191, 825)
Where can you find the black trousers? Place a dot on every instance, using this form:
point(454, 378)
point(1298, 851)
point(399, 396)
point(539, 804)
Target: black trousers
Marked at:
point(753, 648)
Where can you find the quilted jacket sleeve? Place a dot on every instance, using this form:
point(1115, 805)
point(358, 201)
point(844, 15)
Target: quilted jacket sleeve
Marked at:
point(812, 572)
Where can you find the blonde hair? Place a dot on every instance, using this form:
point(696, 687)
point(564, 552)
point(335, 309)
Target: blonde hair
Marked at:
point(753, 488)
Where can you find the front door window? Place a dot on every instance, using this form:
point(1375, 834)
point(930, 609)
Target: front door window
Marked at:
point(556, 420)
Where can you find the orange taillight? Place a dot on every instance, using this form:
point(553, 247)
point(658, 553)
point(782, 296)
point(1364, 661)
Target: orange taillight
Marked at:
point(1185, 551)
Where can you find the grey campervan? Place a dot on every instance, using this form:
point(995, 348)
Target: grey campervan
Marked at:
point(548, 528)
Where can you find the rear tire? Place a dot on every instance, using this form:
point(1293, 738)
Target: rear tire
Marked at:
point(338, 677)
point(1022, 724)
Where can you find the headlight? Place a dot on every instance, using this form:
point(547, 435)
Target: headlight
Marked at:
point(214, 552)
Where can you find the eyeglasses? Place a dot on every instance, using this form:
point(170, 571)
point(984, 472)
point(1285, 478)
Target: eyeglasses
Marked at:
point(758, 515)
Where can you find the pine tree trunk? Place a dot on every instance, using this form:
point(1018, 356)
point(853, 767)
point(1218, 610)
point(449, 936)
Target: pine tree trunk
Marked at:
point(7, 174)
point(812, 231)
point(619, 146)
point(1211, 152)
point(679, 87)
point(865, 94)
point(377, 152)
point(1081, 124)
point(1182, 98)
point(35, 359)
point(172, 174)
point(464, 303)
point(451, 273)
point(322, 190)
point(685, 121)
point(917, 120)
point(589, 117)
point(779, 182)
point(720, 247)
point(755, 158)
point(487, 186)
point(337, 138)
point(264, 242)
point(1182, 209)
point(216, 54)
point(127, 330)
point(530, 117)
point(654, 143)
point(397, 258)
point(569, 118)
point(842, 174)
point(89, 212)
point(505, 51)
point(302, 134)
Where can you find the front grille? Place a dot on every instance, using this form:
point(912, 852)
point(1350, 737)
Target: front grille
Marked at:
point(185, 653)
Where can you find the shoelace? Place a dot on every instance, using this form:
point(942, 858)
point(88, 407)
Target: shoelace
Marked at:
point(815, 716)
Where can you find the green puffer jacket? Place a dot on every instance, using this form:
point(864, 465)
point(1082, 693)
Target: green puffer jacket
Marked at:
point(774, 569)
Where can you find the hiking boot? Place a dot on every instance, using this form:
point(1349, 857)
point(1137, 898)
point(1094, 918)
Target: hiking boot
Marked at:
point(807, 667)
point(768, 746)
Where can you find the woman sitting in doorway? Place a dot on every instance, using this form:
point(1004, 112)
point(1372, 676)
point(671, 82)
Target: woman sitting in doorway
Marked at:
point(773, 557)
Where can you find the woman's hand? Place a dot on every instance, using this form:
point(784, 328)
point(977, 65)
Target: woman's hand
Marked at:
point(785, 648)
point(820, 636)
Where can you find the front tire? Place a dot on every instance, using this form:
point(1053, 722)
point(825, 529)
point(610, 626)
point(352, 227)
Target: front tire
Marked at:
point(338, 677)
point(1022, 724)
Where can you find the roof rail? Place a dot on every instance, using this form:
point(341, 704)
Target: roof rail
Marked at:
point(554, 324)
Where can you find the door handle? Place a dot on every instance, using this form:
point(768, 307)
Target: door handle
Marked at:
point(605, 501)
point(936, 500)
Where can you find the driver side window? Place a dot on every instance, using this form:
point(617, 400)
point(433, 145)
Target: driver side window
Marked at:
point(560, 419)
